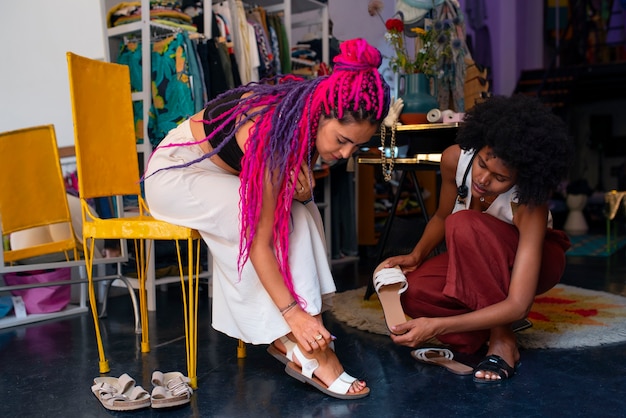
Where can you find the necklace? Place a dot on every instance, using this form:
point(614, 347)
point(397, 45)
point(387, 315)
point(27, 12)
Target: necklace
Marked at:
point(387, 163)
point(489, 200)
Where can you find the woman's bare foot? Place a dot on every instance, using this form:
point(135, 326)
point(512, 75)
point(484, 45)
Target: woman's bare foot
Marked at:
point(503, 344)
point(329, 368)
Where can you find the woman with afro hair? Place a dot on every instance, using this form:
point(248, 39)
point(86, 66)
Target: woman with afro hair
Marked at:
point(240, 172)
point(501, 250)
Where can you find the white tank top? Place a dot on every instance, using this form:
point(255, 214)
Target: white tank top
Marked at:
point(504, 205)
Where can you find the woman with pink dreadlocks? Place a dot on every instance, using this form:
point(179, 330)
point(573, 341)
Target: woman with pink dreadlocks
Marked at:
point(240, 173)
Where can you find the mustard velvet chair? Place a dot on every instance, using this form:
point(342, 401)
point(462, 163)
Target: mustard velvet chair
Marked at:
point(107, 166)
point(33, 193)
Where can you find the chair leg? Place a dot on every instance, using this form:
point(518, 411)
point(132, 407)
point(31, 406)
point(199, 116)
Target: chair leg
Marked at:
point(141, 263)
point(89, 245)
point(190, 306)
point(241, 349)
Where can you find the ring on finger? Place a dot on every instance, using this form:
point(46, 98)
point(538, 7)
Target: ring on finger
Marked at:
point(319, 337)
point(301, 189)
point(311, 342)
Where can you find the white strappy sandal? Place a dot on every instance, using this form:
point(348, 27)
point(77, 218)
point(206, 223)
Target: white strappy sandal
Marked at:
point(338, 389)
point(389, 284)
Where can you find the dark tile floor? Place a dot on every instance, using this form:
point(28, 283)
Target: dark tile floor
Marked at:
point(46, 370)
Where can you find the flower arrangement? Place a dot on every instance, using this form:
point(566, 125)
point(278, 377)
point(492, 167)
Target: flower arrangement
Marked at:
point(434, 46)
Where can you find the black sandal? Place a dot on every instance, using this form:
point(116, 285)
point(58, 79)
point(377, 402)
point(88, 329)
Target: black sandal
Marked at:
point(495, 364)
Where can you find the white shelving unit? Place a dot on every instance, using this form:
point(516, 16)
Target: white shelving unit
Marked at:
point(297, 14)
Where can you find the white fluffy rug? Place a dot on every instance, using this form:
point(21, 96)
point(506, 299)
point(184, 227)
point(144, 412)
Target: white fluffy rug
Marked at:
point(564, 317)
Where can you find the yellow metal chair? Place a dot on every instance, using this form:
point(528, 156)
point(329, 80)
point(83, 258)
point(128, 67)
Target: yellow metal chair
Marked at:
point(33, 192)
point(107, 165)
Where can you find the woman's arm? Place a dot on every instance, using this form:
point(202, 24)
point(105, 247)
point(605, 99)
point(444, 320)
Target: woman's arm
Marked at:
point(434, 231)
point(262, 255)
point(532, 224)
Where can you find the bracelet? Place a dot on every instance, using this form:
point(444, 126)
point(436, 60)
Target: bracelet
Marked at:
point(310, 199)
point(288, 308)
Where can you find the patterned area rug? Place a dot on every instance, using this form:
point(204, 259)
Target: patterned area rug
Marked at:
point(564, 317)
point(593, 246)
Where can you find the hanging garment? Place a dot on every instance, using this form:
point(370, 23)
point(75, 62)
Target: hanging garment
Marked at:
point(451, 84)
point(172, 99)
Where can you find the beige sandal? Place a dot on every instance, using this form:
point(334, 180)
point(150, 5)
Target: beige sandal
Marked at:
point(441, 357)
point(120, 394)
point(389, 284)
point(170, 389)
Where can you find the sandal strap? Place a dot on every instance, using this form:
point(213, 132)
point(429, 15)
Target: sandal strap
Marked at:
point(170, 384)
point(110, 393)
point(157, 378)
point(342, 384)
point(136, 393)
point(289, 346)
point(421, 353)
point(178, 386)
point(392, 275)
point(307, 365)
point(496, 364)
point(125, 382)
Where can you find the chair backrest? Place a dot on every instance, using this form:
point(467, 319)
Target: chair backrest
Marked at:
point(32, 190)
point(104, 128)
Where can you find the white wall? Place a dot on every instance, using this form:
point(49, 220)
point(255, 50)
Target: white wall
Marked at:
point(34, 87)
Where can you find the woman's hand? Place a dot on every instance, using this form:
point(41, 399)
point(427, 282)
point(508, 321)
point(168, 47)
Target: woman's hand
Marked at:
point(407, 262)
point(414, 332)
point(308, 330)
point(303, 183)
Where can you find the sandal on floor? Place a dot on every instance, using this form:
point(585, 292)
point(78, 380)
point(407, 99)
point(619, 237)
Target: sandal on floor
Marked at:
point(338, 389)
point(495, 364)
point(389, 284)
point(170, 389)
point(120, 394)
point(441, 357)
point(289, 345)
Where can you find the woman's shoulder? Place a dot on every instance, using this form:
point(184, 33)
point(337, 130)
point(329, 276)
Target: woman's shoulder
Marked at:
point(450, 156)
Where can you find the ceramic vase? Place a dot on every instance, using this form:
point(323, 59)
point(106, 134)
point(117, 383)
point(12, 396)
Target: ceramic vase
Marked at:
point(414, 90)
point(575, 223)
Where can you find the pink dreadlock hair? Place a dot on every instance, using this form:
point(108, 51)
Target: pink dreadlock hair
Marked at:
point(286, 111)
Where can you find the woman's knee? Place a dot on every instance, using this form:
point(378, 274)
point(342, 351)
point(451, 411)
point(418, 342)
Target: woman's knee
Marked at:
point(463, 226)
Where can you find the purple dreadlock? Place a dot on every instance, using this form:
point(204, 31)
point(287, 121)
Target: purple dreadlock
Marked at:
point(286, 111)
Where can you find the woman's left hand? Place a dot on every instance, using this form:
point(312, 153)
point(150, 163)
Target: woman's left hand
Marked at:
point(414, 332)
point(304, 183)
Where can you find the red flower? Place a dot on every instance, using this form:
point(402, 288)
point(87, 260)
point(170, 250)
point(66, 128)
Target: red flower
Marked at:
point(394, 24)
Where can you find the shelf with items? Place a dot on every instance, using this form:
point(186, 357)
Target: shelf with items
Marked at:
point(407, 206)
point(376, 198)
point(424, 146)
point(298, 13)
